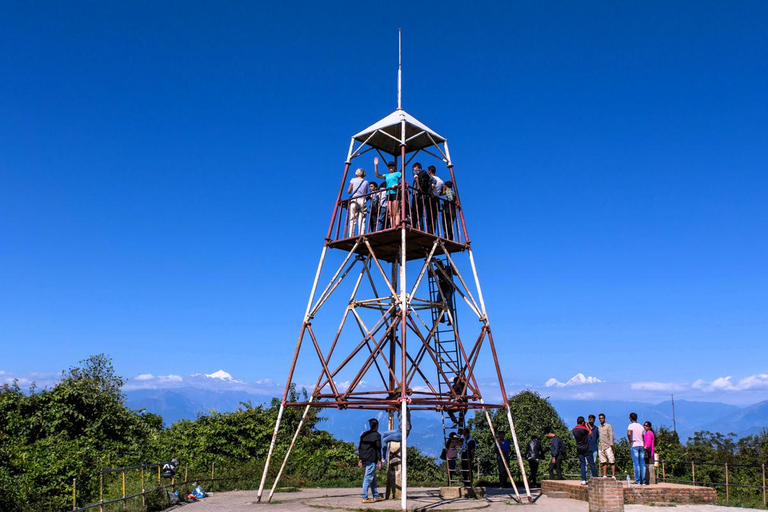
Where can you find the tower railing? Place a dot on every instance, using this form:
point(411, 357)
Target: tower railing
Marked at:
point(424, 213)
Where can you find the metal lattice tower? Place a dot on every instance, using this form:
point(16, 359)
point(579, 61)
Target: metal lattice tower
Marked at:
point(408, 272)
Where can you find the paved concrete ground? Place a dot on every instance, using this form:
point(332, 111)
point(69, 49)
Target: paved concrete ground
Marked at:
point(496, 500)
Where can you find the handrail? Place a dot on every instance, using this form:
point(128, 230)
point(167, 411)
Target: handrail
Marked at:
point(423, 212)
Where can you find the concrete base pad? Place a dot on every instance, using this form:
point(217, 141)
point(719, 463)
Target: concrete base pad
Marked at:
point(450, 493)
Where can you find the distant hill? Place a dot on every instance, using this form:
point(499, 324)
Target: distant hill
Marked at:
point(188, 402)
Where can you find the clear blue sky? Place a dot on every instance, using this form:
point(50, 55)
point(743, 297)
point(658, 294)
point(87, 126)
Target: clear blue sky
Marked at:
point(167, 171)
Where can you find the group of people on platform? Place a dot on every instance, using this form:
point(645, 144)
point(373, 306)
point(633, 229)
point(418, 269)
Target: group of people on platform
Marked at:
point(430, 202)
point(596, 441)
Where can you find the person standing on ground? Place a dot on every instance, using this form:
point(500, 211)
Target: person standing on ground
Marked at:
point(649, 443)
point(581, 433)
point(369, 451)
point(506, 448)
point(467, 458)
point(606, 446)
point(557, 451)
point(635, 433)
point(594, 436)
point(534, 454)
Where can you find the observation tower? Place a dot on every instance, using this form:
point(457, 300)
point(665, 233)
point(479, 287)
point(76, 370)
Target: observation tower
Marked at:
point(382, 321)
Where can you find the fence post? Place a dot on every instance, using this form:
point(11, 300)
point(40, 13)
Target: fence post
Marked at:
point(74, 505)
point(663, 472)
point(143, 497)
point(727, 490)
point(763, 484)
point(158, 475)
point(213, 465)
point(693, 473)
point(123, 488)
point(101, 490)
point(186, 470)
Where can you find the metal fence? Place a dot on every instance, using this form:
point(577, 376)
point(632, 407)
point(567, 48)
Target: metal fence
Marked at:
point(145, 476)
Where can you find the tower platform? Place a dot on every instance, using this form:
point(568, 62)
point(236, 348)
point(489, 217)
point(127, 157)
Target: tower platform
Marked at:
point(386, 244)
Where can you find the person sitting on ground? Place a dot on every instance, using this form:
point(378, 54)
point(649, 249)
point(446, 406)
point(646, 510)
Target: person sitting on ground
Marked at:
point(394, 191)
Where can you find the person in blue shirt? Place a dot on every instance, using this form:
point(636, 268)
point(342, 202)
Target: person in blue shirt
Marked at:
point(505, 450)
point(393, 190)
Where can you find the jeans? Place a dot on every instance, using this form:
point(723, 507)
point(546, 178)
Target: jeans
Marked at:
point(387, 437)
point(582, 465)
point(382, 223)
point(591, 461)
point(638, 462)
point(369, 480)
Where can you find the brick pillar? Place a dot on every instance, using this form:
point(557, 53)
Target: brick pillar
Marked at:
point(605, 495)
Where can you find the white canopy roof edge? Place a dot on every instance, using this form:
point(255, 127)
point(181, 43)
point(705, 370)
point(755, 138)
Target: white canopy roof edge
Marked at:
point(386, 134)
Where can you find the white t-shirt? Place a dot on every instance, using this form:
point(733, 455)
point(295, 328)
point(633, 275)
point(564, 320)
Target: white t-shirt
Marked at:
point(359, 187)
point(637, 434)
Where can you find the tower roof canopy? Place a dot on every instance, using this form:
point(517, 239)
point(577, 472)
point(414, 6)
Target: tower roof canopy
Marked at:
point(386, 134)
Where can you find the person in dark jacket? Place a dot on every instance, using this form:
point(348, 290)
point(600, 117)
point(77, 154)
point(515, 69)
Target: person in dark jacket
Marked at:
point(557, 452)
point(533, 455)
point(594, 440)
point(369, 451)
point(581, 432)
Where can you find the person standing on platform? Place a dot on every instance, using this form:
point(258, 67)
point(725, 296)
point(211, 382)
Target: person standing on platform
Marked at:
point(358, 187)
point(649, 443)
point(581, 433)
point(449, 209)
point(421, 190)
point(373, 206)
point(594, 437)
point(557, 452)
point(606, 446)
point(635, 434)
point(382, 222)
point(393, 190)
point(433, 201)
point(506, 448)
point(534, 454)
point(369, 451)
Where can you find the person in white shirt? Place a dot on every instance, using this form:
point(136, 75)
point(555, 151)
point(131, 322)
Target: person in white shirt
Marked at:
point(635, 433)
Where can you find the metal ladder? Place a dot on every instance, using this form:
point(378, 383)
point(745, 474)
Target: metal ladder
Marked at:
point(448, 357)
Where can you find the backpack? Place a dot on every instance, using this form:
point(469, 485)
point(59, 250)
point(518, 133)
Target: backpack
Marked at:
point(425, 182)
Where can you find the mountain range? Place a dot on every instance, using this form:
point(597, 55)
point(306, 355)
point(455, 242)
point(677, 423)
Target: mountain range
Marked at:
point(190, 401)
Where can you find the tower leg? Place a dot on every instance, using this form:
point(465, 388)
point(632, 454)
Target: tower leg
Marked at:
point(517, 452)
point(498, 448)
point(288, 453)
point(271, 449)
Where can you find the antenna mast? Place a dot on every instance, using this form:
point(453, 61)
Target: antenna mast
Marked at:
point(399, 68)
